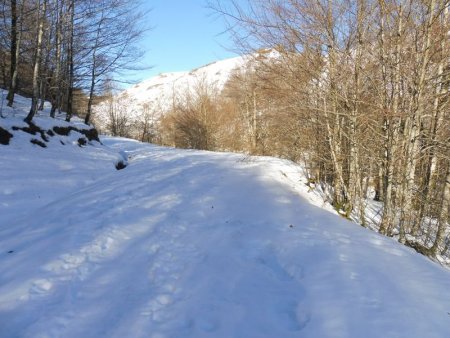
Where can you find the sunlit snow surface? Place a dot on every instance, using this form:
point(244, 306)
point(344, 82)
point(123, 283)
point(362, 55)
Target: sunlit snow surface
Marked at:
point(195, 244)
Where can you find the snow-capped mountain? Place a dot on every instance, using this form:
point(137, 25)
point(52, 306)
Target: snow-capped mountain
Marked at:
point(161, 91)
point(156, 96)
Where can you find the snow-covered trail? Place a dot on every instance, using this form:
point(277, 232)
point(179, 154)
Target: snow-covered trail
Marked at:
point(198, 244)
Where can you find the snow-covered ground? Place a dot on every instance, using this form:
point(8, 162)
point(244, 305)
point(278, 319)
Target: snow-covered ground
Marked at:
point(197, 244)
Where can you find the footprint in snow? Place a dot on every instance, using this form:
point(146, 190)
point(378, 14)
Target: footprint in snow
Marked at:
point(294, 316)
point(41, 286)
point(271, 263)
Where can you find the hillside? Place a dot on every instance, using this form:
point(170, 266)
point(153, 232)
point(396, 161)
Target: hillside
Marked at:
point(161, 92)
point(194, 244)
point(162, 89)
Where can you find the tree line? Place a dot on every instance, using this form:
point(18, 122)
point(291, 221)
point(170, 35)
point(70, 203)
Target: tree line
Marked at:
point(64, 51)
point(358, 91)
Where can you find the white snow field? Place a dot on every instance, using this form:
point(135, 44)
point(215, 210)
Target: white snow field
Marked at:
point(195, 244)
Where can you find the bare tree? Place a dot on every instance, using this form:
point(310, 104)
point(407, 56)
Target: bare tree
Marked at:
point(16, 39)
point(56, 81)
point(41, 12)
point(112, 48)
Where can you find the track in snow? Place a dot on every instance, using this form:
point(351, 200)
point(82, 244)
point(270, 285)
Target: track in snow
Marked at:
point(198, 244)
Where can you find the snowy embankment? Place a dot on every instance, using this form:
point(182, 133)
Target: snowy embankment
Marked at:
point(195, 244)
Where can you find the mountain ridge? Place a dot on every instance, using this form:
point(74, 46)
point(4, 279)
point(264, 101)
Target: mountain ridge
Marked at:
point(159, 90)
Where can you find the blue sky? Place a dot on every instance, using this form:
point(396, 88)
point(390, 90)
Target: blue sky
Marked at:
point(186, 35)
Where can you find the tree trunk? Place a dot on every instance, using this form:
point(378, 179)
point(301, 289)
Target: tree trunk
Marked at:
point(15, 48)
point(42, 8)
point(44, 81)
point(93, 72)
point(354, 183)
point(43, 92)
point(255, 123)
point(392, 124)
point(91, 94)
point(71, 62)
point(56, 81)
point(443, 218)
point(413, 130)
point(436, 124)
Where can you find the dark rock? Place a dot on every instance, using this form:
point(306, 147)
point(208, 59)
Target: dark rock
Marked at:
point(39, 143)
point(91, 134)
point(32, 129)
point(5, 136)
point(82, 141)
point(121, 165)
point(63, 131)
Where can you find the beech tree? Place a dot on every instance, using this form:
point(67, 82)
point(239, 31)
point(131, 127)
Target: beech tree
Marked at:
point(40, 12)
point(56, 82)
point(16, 39)
point(115, 28)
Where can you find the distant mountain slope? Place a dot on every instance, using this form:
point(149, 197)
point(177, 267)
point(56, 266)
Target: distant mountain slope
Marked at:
point(161, 90)
point(159, 93)
point(154, 97)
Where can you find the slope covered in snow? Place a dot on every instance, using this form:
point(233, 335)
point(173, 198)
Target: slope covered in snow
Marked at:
point(195, 244)
point(161, 92)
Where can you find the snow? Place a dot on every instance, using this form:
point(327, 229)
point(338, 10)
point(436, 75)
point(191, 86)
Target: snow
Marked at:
point(195, 244)
point(160, 90)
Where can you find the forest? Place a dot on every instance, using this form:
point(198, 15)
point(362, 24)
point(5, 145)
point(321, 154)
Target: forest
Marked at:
point(361, 93)
point(64, 51)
